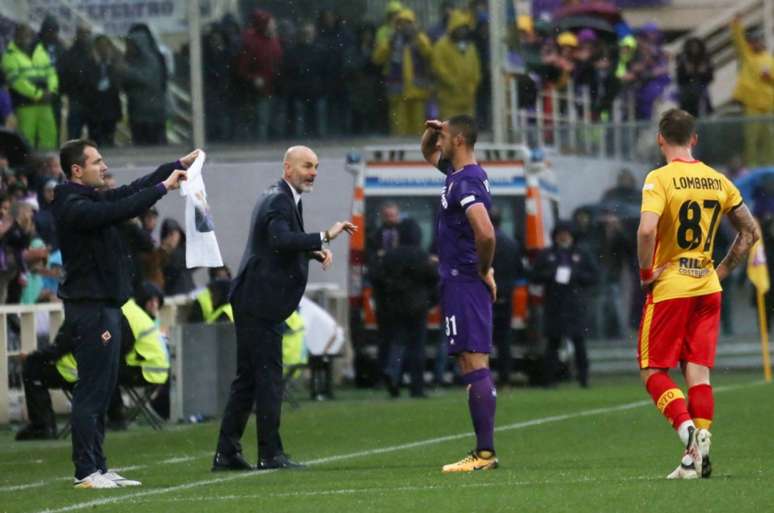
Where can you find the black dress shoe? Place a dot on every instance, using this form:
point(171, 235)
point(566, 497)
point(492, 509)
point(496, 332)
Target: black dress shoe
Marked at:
point(235, 462)
point(279, 461)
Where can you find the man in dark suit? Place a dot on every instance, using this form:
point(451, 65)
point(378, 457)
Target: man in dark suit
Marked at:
point(268, 288)
point(393, 231)
point(405, 285)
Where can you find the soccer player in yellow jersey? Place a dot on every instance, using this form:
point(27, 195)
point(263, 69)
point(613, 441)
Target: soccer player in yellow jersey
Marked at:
point(682, 205)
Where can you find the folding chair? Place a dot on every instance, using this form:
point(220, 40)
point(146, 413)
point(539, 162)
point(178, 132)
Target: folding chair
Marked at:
point(290, 383)
point(140, 398)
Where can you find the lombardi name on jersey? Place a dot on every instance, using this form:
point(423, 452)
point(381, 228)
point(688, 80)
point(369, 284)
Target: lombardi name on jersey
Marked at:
point(695, 182)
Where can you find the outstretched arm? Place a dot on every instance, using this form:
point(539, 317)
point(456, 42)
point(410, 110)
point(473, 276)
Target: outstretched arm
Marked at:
point(748, 234)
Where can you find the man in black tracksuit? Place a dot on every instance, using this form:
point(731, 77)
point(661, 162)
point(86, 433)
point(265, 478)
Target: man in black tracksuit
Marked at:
point(97, 282)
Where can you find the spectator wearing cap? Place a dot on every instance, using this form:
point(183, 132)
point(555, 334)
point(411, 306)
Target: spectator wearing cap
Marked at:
point(565, 60)
point(565, 271)
point(386, 29)
point(457, 68)
point(405, 58)
point(627, 49)
point(755, 91)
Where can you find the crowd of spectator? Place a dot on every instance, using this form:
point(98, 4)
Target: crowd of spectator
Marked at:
point(269, 78)
point(606, 62)
point(38, 71)
point(329, 77)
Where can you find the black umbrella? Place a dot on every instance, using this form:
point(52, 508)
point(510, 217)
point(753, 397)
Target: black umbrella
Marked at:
point(14, 147)
point(583, 22)
point(576, 23)
point(603, 10)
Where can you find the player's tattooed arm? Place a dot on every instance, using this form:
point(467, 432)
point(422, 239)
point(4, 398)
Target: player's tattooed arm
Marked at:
point(429, 144)
point(749, 233)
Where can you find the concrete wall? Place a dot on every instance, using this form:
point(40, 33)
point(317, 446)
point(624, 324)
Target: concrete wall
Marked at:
point(584, 180)
point(232, 191)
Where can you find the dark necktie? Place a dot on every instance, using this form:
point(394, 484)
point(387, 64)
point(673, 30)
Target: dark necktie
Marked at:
point(301, 213)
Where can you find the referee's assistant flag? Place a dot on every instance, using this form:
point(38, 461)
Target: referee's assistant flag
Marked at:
point(758, 274)
point(757, 271)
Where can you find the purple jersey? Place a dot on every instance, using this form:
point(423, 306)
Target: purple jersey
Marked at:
point(456, 244)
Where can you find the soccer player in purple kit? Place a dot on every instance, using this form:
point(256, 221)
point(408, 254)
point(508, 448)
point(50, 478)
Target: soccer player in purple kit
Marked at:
point(466, 244)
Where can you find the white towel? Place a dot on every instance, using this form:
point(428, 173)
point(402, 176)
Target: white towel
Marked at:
point(201, 248)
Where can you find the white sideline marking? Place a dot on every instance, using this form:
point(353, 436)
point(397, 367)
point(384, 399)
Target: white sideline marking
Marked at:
point(17, 463)
point(392, 490)
point(369, 452)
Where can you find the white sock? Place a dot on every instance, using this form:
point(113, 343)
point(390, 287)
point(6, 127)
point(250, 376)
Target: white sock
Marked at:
point(682, 431)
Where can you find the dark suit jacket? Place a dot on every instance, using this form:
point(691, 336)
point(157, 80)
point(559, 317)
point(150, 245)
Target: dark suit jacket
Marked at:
point(275, 266)
point(409, 233)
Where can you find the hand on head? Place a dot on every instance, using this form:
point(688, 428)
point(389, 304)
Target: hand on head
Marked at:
point(434, 124)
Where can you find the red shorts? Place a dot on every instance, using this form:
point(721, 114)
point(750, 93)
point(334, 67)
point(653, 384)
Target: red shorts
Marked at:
point(678, 330)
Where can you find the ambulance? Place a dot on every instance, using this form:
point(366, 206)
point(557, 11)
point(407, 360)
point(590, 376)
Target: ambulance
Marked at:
point(524, 189)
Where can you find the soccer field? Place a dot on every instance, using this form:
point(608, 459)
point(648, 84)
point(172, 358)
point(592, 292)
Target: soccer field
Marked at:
point(565, 449)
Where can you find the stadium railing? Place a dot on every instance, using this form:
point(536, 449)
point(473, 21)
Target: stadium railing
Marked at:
point(720, 138)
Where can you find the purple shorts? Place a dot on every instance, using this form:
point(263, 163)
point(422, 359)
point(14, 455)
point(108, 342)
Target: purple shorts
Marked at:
point(467, 316)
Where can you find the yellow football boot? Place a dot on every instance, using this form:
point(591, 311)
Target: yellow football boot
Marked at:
point(475, 460)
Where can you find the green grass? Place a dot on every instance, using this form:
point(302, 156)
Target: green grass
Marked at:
point(598, 450)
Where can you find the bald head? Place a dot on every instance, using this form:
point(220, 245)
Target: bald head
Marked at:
point(296, 152)
point(299, 168)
